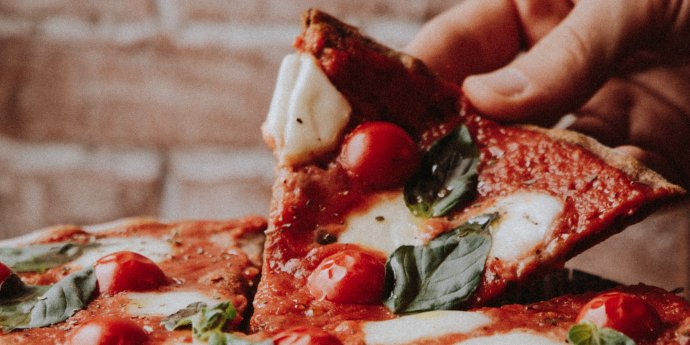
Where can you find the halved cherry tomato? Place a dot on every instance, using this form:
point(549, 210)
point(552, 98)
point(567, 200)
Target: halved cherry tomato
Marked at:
point(380, 154)
point(108, 331)
point(350, 276)
point(5, 272)
point(127, 271)
point(626, 313)
point(305, 336)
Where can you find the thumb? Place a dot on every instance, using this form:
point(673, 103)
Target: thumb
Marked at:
point(566, 66)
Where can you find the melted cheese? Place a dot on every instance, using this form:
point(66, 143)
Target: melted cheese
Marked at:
point(387, 225)
point(163, 303)
point(512, 338)
point(152, 248)
point(306, 114)
point(525, 220)
point(411, 328)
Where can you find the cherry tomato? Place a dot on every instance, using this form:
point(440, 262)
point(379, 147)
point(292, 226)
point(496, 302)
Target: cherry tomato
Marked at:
point(5, 272)
point(108, 331)
point(623, 312)
point(380, 154)
point(350, 276)
point(305, 336)
point(127, 271)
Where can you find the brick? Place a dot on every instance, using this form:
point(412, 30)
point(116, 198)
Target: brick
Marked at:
point(655, 251)
point(86, 198)
point(217, 10)
point(218, 183)
point(13, 51)
point(161, 95)
point(353, 12)
point(98, 10)
point(46, 184)
point(21, 205)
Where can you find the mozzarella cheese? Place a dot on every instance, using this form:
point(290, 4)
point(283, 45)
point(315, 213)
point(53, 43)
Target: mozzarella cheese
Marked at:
point(524, 221)
point(152, 248)
point(387, 225)
point(436, 324)
point(163, 303)
point(415, 327)
point(512, 338)
point(411, 328)
point(307, 113)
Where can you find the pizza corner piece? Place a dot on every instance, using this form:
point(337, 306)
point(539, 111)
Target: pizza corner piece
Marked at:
point(394, 197)
point(136, 281)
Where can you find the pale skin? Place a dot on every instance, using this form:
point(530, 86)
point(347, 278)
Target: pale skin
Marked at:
point(622, 67)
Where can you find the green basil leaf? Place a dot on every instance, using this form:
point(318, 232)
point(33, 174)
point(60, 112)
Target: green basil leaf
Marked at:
point(447, 176)
point(181, 318)
point(222, 338)
point(587, 333)
point(201, 318)
point(24, 306)
point(38, 258)
point(442, 274)
point(16, 301)
point(63, 299)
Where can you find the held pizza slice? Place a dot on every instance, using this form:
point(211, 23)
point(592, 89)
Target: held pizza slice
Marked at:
point(394, 196)
point(134, 281)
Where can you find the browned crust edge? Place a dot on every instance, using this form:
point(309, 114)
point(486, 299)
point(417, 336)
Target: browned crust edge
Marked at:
point(629, 165)
point(315, 18)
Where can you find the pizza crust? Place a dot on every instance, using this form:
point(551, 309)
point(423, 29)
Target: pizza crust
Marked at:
point(43, 233)
point(627, 164)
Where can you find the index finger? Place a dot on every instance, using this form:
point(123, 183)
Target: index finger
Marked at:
point(473, 37)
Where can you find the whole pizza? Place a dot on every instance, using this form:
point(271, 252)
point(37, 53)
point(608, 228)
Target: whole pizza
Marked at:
point(399, 215)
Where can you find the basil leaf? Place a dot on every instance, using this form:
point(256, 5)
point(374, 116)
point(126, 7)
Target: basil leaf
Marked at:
point(181, 317)
point(23, 306)
point(204, 321)
point(587, 333)
point(40, 257)
point(222, 338)
point(207, 324)
point(442, 274)
point(16, 301)
point(447, 176)
point(63, 299)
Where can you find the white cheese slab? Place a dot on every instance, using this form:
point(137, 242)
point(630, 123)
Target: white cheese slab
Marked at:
point(163, 303)
point(307, 113)
point(433, 324)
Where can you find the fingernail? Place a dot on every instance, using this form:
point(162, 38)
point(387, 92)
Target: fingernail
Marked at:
point(506, 82)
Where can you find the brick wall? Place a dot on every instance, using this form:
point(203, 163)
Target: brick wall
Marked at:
point(112, 109)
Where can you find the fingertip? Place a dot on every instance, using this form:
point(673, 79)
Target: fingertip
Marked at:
point(498, 94)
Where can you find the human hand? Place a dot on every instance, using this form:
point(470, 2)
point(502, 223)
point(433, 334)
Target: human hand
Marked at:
point(622, 67)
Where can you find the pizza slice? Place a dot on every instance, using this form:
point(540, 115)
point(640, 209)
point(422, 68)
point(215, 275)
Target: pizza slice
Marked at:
point(130, 282)
point(394, 196)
